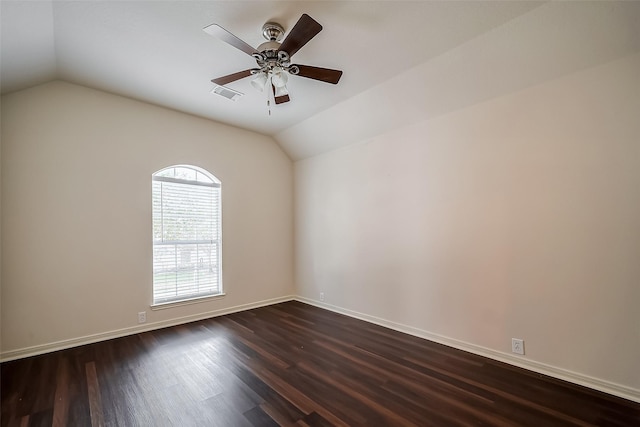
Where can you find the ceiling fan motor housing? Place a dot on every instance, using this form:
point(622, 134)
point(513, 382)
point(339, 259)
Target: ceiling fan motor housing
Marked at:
point(269, 54)
point(270, 46)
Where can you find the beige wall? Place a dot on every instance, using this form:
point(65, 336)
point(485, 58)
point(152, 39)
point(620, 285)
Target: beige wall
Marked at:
point(517, 217)
point(76, 218)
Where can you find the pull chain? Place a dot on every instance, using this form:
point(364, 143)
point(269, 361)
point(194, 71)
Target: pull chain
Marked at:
point(270, 94)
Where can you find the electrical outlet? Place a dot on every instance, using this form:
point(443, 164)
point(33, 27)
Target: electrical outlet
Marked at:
point(142, 317)
point(321, 296)
point(517, 346)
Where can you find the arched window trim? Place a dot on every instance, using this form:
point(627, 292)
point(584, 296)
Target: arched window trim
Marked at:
point(179, 197)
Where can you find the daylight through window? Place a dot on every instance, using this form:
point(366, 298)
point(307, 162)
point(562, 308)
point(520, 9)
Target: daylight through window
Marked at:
point(186, 234)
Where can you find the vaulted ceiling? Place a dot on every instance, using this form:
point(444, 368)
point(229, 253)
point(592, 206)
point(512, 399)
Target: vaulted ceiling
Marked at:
point(402, 61)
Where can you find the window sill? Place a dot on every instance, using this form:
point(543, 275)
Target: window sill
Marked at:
point(196, 300)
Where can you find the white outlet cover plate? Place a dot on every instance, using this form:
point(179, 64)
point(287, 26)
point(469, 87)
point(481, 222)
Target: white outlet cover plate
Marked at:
point(517, 346)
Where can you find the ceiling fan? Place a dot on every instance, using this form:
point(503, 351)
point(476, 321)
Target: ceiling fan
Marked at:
point(274, 58)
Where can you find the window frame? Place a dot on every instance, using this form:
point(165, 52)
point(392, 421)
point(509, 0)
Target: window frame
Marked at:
point(211, 181)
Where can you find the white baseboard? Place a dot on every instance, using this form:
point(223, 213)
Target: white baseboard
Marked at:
point(531, 365)
point(88, 339)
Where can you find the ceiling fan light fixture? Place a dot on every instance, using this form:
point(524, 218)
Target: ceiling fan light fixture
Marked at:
point(279, 78)
point(260, 81)
point(280, 91)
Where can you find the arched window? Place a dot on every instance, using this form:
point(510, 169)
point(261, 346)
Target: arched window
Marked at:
point(186, 234)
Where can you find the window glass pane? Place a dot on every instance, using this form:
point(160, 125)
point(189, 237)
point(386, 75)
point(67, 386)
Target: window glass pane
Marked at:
point(186, 237)
point(170, 172)
point(185, 212)
point(156, 202)
point(185, 173)
point(200, 177)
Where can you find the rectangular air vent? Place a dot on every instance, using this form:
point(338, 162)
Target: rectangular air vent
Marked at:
point(227, 93)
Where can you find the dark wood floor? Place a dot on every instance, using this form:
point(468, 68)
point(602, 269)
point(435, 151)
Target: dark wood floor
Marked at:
point(289, 364)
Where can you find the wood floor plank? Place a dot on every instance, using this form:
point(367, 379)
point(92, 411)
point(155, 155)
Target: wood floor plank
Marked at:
point(61, 397)
point(290, 364)
point(93, 396)
point(257, 417)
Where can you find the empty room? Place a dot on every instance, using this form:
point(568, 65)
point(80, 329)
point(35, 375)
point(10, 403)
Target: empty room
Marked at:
point(320, 213)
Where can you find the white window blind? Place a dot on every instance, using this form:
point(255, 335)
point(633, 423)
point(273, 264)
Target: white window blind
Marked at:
point(186, 234)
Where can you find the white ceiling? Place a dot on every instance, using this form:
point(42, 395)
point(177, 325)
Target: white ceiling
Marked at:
point(402, 61)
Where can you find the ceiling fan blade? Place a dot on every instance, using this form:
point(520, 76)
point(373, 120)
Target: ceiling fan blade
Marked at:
point(323, 74)
point(282, 99)
point(279, 99)
point(224, 35)
point(305, 29)
point(231, 77)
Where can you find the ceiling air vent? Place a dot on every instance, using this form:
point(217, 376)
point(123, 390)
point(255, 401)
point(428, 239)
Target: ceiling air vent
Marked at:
point(227, 93)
